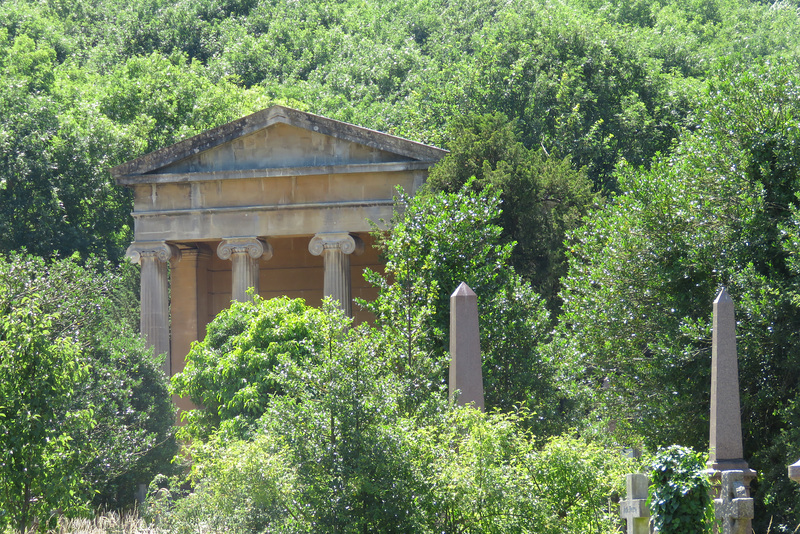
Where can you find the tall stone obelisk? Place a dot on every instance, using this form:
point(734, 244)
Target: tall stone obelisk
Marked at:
point(726, 451)
point(465, 348)
point(725, 444)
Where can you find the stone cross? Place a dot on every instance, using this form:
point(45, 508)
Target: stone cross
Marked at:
point(734, 508)
point(465, 348)
point(634, 508)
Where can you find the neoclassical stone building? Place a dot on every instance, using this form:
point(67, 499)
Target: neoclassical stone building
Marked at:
point(279, 201)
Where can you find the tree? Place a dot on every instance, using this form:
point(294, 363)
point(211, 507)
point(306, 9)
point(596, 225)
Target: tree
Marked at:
point(644, 272)
point(437, 242)
point(229, 373)
point(39, 423)
point(543, 197)
point(89, 306)
point(339, 449)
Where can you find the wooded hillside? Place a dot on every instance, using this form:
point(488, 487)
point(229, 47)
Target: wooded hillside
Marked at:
point(647, 153)
point(91, 83)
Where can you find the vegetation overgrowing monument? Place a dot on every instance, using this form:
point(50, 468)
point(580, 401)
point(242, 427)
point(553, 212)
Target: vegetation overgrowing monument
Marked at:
point(277, 201)
point(611, 166)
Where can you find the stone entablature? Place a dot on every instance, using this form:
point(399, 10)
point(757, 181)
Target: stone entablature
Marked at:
point(276, 172)
point(280, 201)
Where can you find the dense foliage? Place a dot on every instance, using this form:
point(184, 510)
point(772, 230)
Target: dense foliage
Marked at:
point(96, 398)
point(543, 197)
point(680, 500)
point(660, 138)
point(39, 376)
point(229, 374)
point(339, 448)
point(91, 83)
point(721, 211)
point(437, 242)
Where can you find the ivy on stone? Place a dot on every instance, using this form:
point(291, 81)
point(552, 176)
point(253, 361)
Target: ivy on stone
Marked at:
point(679, 499)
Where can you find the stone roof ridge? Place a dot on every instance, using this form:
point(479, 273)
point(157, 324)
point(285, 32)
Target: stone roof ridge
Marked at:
point(259, 120)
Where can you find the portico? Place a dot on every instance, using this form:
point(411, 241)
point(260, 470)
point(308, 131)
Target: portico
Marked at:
point(279, 201)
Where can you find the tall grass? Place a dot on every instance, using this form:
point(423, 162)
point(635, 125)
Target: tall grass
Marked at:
point(106, 523)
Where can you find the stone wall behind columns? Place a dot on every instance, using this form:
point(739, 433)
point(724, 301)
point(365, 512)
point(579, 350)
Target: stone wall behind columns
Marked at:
point(294, 272)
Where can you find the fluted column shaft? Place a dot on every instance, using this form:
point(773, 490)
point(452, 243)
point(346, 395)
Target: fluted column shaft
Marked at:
point(154, 294)
point(244, 253)
point(335, 249)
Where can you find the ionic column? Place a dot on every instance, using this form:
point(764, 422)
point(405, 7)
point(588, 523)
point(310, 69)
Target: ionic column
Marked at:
point(335, 249)
point(244, 253)
point(153, 256)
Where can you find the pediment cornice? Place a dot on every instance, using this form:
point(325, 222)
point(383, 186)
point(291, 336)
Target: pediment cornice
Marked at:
point(139, 169)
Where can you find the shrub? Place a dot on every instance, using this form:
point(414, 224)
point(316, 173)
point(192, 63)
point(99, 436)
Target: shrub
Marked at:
point(339, 448)
point(89, 306)
point(230, 373)
point(679, 499)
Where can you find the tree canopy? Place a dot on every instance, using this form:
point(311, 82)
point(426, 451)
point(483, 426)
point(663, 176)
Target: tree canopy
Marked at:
point(721, 211)
point(612, 165)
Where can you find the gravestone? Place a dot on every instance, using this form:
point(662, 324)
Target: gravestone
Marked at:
point(726, 452)
point(734, 507)
point(634, 508)
point(465, 348)
point(794, 471)
point(725, 443)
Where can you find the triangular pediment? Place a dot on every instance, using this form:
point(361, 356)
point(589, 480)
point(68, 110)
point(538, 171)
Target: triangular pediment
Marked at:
point(275, 139)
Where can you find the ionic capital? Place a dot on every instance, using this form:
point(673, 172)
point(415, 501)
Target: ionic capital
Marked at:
point(346, 243)
point(160, 250)
point(252, 246)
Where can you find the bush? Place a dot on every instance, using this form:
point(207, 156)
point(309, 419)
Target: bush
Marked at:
point(679, 499)
point(437, 242)
point(91, 306)
point(339, 447)
point(230, 373)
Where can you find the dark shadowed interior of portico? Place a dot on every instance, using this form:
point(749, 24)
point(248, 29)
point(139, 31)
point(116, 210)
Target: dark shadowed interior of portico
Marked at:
point(200, 285)
point(293, 272)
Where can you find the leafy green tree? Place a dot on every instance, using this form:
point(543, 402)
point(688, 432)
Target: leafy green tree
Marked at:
point(339, 450)
point(39, 423)
point(543, 197)
point(644, 273)
point(131, 438)
point(229, 373)
point(437, 242)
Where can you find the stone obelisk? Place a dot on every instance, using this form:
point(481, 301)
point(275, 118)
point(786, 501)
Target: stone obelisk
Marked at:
point(465, 348)
point(725, 444)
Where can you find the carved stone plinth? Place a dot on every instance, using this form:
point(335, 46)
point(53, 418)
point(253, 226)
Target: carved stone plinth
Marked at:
point(335, 249)
point(244, 253)
point(153, 256)
point(734, 507)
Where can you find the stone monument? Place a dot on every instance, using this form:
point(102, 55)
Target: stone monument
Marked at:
point(734, 507)
point(279, 201)
point(634, 508)
point(466, 375)
point(726, 452)
point(794, 471)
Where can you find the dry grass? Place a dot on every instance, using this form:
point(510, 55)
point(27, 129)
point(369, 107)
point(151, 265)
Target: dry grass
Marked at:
point(107, 523)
